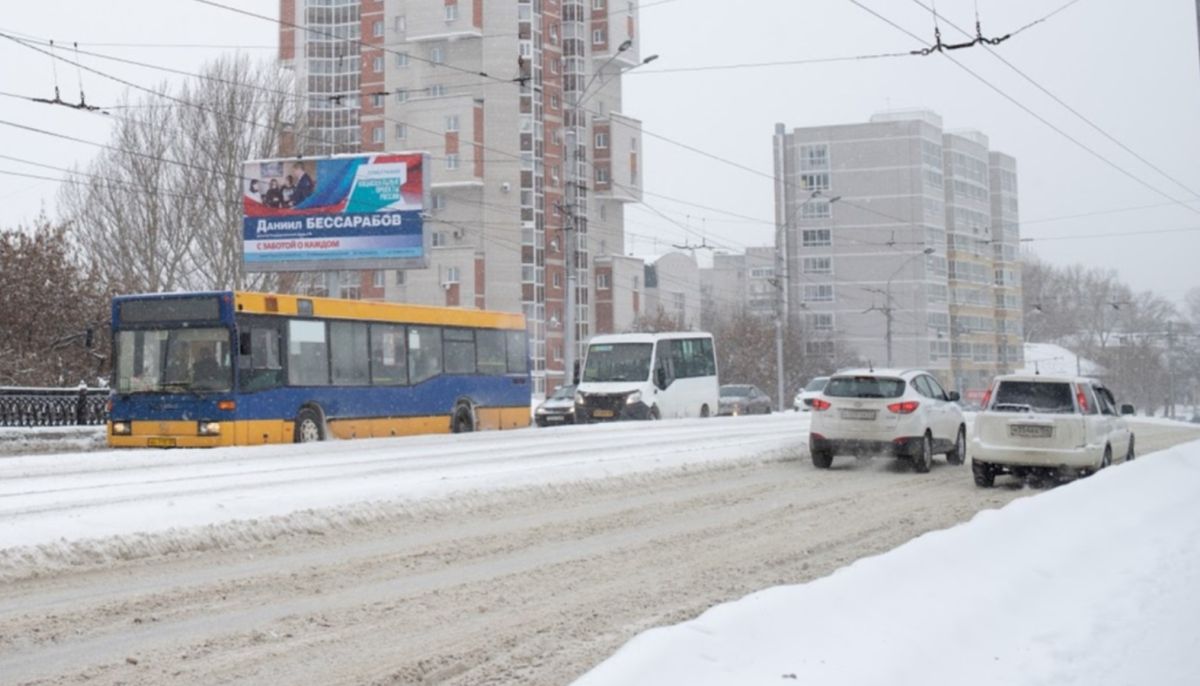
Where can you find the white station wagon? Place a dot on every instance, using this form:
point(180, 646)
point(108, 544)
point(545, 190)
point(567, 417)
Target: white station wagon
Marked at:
point(1060, 425)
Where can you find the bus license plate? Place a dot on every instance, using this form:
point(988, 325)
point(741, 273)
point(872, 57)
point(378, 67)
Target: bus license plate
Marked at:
point(1030, 431)
point(858, 414)
point(160, 442)
point(602, 413)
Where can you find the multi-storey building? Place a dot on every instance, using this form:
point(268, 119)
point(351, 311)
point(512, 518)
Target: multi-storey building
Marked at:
point(887, 231)
point(740, 282)
point(495, 93)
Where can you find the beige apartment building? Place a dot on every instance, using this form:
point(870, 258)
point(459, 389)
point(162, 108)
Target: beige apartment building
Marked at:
point(494, 92)
point(900, 241)
point(740, 282)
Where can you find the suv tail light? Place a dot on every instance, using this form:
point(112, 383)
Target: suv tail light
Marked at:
point(820, 405)
point(1081, 397)
point(906, 407)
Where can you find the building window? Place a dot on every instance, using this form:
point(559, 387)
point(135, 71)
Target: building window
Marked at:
point(818, 292)
point(437, 90)
point(400, 277)
point(814, 157)
point(437, 54)
point(377, 65)
point(819, 348)
point(451, 275)
point(819, 321)
point(439, 201)
point(818, 265)
point(597, 4)
point(452, 122)
point(438, 239)
point(602, 281)
point(815, 238)
point(816, 208)
point(554, 101)
point(377, 278)
point(602, 140)
point(557, 280)
point(451, 12)
point(599, 37)
point(451, 162)
point(601, 174)
point(377, 29)
point(377, 99)
point(401, 95)
point(377, 134)
point(400, 23)
point(402, 59)
point(814, 182)
point(401, 131)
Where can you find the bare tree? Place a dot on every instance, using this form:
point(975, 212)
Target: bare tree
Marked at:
point(162, 210)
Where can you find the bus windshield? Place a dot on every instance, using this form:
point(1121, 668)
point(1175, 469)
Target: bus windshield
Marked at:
point(174, 360)
point(618, 362)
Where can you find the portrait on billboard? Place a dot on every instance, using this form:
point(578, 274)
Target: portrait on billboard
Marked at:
point(341, 212)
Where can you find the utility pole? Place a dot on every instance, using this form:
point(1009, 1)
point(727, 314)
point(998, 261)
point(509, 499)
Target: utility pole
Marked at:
point(781, 282)
point(1171, 368)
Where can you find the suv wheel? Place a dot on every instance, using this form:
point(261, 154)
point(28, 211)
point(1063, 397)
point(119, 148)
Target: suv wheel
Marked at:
point(958, 453)
point(1129, 454)
point(985, 476)
point(822, 459)
point(924, 460)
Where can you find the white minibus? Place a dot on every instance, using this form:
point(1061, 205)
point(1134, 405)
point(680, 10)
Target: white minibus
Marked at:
point(648, 376)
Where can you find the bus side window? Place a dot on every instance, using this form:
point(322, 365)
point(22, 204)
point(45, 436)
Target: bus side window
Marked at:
point(518, 354)
point(706, 352)
point(308, 353)
point(489, 352)
point(662, 364)
point(260, 365)
point(424, 353)
point(389, 360)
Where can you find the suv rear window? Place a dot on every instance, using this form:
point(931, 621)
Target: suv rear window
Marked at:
point(864, 387)
point(1037, 396)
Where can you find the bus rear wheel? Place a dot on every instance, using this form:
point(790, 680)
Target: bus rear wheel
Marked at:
point(464, 421)
point(309, 427)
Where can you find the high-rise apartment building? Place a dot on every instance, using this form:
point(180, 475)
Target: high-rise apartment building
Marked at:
point(901, 240)
point(742, 282)
point(494, 92)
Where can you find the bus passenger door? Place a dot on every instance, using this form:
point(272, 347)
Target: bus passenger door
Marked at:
point(663, 378)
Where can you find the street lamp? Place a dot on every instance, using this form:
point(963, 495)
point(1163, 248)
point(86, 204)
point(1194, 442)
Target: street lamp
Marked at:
point(887, 295)
point(576, 100)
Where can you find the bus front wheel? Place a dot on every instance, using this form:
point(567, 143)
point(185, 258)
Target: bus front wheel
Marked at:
point(309, 427)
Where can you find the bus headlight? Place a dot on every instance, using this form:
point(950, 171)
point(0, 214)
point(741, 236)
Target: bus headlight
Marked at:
point(635, 397)
point(122, 428)
point(210, 428)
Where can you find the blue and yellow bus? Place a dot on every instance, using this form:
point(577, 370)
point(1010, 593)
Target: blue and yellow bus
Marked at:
point(237, 368)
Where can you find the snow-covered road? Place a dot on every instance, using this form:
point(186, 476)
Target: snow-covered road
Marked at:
point(522, 557)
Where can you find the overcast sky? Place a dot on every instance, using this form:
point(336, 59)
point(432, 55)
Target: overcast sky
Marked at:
point(1131, 68)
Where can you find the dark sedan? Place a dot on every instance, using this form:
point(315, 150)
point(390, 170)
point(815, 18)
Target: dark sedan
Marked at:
point(743, 399)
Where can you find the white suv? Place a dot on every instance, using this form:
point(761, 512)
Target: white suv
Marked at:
point(1059, 425)
point(876, 411)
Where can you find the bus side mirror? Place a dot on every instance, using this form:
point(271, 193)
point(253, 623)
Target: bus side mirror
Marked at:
point(660, 378)
point(1128, 410)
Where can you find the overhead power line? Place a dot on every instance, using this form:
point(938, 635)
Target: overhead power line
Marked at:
point(1035, 115)
point(1071, 109)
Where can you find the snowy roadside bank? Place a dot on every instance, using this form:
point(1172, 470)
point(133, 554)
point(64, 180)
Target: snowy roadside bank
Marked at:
point(16, 441)
point(1095, 582)
point(86, 509)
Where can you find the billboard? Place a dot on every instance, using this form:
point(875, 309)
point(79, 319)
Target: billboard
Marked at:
point(340, 212)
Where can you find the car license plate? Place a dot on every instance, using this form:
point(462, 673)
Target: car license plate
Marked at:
point(156, 442)
point(602, 413)
point(858, 414)
point(1030, 431)
point(554, 417)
